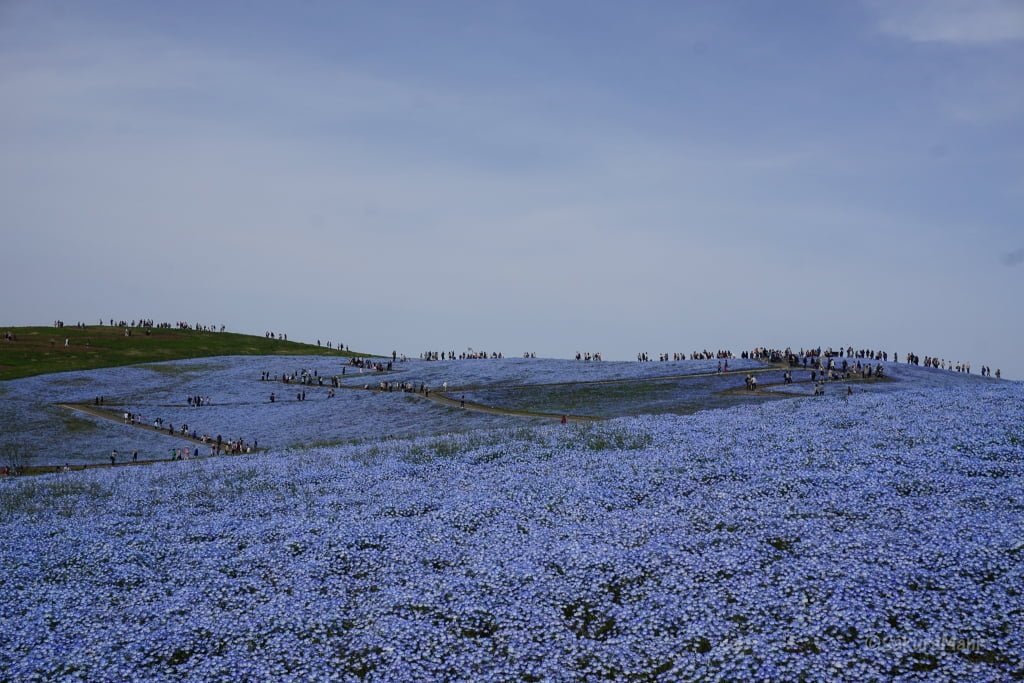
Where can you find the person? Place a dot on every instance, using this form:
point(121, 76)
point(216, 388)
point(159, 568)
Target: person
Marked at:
point(135, 456)
point(462, 401)
point(113, 457)
point(564, 419)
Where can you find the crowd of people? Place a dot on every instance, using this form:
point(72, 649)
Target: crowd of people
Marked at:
point(369, 364)
point(587, 356)
point(819, 357)
point(644, 357)
point(306, 378)
point(825, 364)
point(465, 355)
point(217, 444)
point(405, 387)
point(148, 323)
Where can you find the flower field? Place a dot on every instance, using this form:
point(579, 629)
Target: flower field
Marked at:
point(239, 408)
point(874, 538)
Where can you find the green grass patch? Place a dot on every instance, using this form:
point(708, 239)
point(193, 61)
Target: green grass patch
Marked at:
point(577, 397)
point(172, 370)
point(77, 425)
point(603, 438)
point(319, 443)
point(41, 350)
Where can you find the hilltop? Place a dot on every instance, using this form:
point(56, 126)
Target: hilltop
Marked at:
point(29, 351)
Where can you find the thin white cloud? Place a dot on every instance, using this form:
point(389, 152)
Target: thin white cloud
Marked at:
point(957, 22)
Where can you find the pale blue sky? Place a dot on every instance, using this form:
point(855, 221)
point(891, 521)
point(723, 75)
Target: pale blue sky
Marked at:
point(547, 176)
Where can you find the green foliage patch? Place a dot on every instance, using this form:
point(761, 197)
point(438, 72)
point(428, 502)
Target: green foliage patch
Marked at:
point(41, 350)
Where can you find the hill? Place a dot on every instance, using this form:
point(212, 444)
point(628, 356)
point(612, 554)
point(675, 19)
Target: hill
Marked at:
point(28, 351)
point(51, 420)
point(875, 537)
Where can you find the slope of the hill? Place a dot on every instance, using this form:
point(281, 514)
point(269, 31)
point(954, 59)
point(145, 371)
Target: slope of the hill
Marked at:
point(27, 351)
point(821, 539)
point(236, 391)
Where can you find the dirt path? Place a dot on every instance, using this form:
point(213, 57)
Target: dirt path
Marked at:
point(766, 389)
point(118, 417)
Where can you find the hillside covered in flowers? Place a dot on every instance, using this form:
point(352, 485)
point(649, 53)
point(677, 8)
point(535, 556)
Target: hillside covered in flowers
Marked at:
point(876, 537)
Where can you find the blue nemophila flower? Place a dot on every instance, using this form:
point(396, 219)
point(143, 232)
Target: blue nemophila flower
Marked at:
point(876, 537)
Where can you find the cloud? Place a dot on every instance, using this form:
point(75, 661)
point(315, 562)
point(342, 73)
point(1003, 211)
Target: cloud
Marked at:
point(956, 22)
point(1014, 258)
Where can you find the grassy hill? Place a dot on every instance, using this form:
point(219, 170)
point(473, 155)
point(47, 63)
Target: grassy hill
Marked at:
point(41, 350)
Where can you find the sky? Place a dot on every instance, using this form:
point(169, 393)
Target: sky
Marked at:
point(522, 176)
